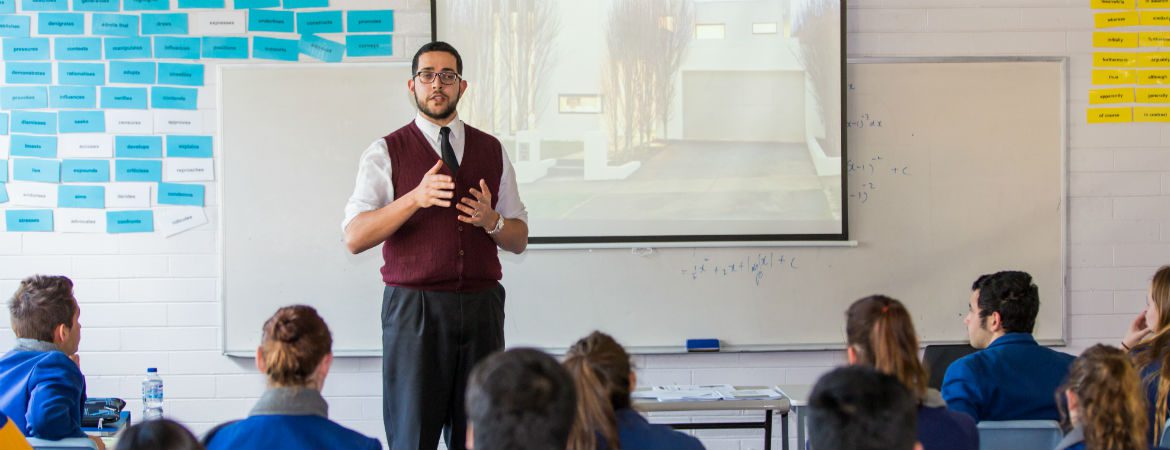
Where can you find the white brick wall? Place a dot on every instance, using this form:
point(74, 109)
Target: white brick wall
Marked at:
point(149, 301)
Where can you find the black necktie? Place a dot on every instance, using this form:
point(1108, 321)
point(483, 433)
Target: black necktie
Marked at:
point(448, 150)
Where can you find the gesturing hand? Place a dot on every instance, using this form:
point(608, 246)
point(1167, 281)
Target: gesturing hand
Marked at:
point(434, 189)
point(478, 211)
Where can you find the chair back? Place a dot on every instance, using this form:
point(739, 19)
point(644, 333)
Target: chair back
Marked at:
point(938, 357)
point(63, 444)
point(1019, 435)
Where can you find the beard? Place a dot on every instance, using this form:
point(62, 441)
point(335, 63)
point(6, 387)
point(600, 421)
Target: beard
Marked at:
point(435, 113)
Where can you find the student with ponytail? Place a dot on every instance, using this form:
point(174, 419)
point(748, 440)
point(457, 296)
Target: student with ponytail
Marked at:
point(1148, 342)
point(295, 352)
point(881, 335)
point(603, 376)
point(1102, 403)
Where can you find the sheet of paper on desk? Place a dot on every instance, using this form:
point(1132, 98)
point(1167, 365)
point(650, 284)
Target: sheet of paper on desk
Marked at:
point(752, 394)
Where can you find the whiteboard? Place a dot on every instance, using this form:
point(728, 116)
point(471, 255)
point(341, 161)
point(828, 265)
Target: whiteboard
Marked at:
point(955, 168)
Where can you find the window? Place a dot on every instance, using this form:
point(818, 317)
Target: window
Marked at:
point(709, 31)
point(764, 28)
point(579, 104)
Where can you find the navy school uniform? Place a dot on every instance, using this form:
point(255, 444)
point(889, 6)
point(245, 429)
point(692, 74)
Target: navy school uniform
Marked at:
point(288, 419)
point(942, 429)
point(637, 433)
point(1014, 378)
point(1075, 440)
point(42, 390)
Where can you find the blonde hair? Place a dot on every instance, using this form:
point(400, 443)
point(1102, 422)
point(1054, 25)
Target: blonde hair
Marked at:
point(600, 368)
point(1112, 409)
point(1156, 348)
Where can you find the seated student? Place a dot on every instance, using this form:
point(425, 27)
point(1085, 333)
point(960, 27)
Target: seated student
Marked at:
point(1104, 406)
point(603, 376)
point(296, 353)
point(520, 399)
point(880, 334)
point(1012, 377)
point(859, 408)
point(158, 434)
point(41, 386)
point(1148, 341)
point(10, 436)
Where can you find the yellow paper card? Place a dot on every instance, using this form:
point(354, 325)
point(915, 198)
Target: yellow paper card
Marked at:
point(1114, 76)
point(1155, 59)
point(1152, 39)
point(1153, 3)
point(1154, 77)
point(1154, 18)
point(1116, 40)
point(1109, 115)
point(1105, 96)
point(1115, 59)
point(1114, 4)
point(1153, 95)
point(1151, 114)
point(1110, 20)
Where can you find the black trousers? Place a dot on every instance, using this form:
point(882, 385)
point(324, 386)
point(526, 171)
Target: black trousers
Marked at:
point(430, 342)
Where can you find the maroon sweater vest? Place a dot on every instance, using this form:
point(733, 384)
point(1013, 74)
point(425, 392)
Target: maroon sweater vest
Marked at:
point(433, 250)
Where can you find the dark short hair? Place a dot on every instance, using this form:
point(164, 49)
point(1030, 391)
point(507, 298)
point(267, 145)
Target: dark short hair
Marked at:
point(859, 408)
point(520, 399)
point(1011, 294)
point(159, 434)
point(40, 303)
point(437, 46)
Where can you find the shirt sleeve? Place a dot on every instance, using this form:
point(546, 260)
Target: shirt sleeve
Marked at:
point(960, 390)
point(54, 405)
point(509, 204)
point(374, 187)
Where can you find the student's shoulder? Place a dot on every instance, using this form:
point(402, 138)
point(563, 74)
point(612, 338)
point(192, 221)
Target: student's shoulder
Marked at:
point(55, 363)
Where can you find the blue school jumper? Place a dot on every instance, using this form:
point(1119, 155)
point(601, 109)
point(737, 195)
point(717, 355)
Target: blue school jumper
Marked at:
point(1014, 378)
point(42, 390)
point(288, 419)
point(637, 433)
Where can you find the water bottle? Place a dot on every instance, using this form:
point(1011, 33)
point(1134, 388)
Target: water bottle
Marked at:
point(152, 395)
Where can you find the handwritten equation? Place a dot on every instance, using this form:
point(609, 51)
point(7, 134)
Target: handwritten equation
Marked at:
point(867, 174)
point(864, 121)
point(748, 267)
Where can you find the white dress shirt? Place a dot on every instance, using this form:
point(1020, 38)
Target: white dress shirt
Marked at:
point(374, 187)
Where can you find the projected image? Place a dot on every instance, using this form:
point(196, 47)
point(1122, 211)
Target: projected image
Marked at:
point(660, 119)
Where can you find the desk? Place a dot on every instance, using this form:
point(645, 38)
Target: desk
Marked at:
point(798, 395)
point(769, 406)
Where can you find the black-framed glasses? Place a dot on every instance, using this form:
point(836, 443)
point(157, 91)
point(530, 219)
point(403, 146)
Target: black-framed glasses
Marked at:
point(428, 77)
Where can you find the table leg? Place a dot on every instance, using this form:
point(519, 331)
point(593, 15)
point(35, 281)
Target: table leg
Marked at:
point(800, 424)
point(768, 430)
point(784, 431)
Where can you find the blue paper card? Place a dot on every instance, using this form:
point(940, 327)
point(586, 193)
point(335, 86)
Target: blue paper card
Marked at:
point(176, 48)
point(61, 23)
point(277, 49)
point(39, 170)
point(131, 72)
point(137, 170)
point(83, 121)
point(114, 25)
point(225, 47)
point(189, 146)
point(208, 4)
point(81, 197)
point(322, 49)
point(34, 122)
point(19, 220)
point(26, 49)
point(97, 5)
point(129, 221)
point(124, 98)
point(274, 21)
point(77, 49)
point(368, 45)
point(35, 146)
point(180, 194)
point(296, 4)
point(180, 74)
point(128, 48)
point(146, 5)
point(175, 23)
point(15, 26)
point(28, 73)
point(138, 146)
point(3, 171)
point(81, 74)
point(7, 6)
point(73, 97)
point(379, 21)
point(85, 171)
point(44, 5)
point(319, 22)
point(32, 97)
point(162, 97)
point(250, 4)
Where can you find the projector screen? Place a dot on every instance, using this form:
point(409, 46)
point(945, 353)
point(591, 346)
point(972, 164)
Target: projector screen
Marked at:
point(661, 120)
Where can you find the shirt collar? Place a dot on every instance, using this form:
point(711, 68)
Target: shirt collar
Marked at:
point(34, 345)
point(1074, 437)
point(1013, 339)
point(431, 130)
point(291, 401)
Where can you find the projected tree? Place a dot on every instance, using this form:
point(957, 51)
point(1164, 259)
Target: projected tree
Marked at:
point(815, 23)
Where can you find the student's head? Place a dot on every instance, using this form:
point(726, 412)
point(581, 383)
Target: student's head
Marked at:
point(519, 399)
point(159, 434)
point(859, 408)
point(43, 308)
point(881, 335)
point(1002, 302)
point(296, 348)
point(1104, 395)
point(603, 375)
point(441, 63)
point(1158, 301)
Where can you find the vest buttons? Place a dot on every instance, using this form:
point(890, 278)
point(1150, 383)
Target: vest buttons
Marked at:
point(461, 228)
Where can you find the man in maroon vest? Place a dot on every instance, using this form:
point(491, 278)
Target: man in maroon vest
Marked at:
point(439, 196)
